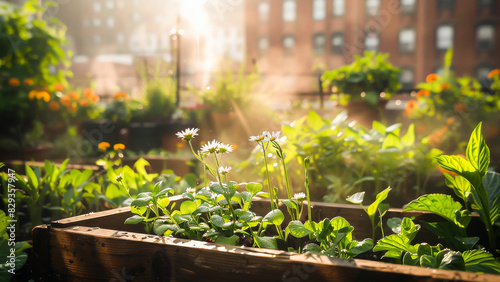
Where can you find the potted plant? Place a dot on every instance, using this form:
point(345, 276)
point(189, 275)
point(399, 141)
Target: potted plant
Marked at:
point(367, 83)
point(297, 239)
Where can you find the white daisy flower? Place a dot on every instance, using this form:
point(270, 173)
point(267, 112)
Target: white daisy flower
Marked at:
point(224, 169)
point(275, 135)
point(212, 147)
point(299, 196)
point(225, 148)
point(256, 138)
point(188, 134)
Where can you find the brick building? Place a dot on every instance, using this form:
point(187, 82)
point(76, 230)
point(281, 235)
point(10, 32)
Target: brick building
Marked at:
point(292, 41)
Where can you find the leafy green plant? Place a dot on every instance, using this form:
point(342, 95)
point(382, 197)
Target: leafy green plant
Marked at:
point(12, 252)
point(473, 184)
point(372, 209)
point(366, 78)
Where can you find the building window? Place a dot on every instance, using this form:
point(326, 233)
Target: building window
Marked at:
point(485, 37)
point(97, 22)
point(338, 8)
point(444, 37)
point(371, 41)
point(338, 43)
point(111, 22)
point(407, 40)
point(319, 10)
point(408, 6)
point(319, 44)
point(485, 3)
point(289, 10)
point(263, 10)
point(372, 7)
point(482, 72)
point(120, 38)
point(110, 4)
point(288, 44)
point(446, 4)
point(97, 39)
point(406, 78)
point(97, 7)
point(262, 45)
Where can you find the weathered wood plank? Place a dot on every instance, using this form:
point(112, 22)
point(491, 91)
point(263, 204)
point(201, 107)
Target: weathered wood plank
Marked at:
point(88, 254)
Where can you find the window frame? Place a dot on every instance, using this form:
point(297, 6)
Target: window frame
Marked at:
point(259, 15)
point(288, 51)
point(334, 6)
point(378, 8)
point(315, 49)
point(407, 85)
point(408, 9)
point(337, 50)
point(402, 49)
point(491, 43)
point(323, 11)
point(285, 19)
point(378, 40)
point(452, 36)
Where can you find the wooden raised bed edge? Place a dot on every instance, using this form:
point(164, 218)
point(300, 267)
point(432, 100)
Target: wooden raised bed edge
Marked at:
point(99, 247)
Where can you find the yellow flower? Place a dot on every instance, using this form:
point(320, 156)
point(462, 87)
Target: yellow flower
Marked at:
point(118, 146)
point(43, 95)
point(14, 81)
point(103, 146)
point(28, 81)
point(32, 95)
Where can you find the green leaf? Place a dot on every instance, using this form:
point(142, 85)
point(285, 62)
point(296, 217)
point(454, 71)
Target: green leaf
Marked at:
point(407, 259)
point(372, 209)
point(427, 261)
point(409, 138)
point(271, 243)
point(394, 224)
point(361, 247)
point(142, 201)
point(442, 205)
point(452, 261)
point(460, 166)
point(232, 241)
point(478, 152)
point(32, 178)
point(291, 204)
point(297, 229)
point(253, 188)
point(312, 249)
point(188, 207)
point(218, 221)
point(481, 261)
point(448, 231)
point(459, 184)
point(275, 217)
point(215, 187)
point(393, 243)
point(409, 229)
point(134, 219)
point(356, 198)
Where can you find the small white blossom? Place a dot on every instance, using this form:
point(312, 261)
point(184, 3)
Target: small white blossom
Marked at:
point(273, 136)
point(224, 170)
point(299, 196)
point(212, 147)
point(225, 148)
point(256, 138)
point(191, 190)
point(188, 134)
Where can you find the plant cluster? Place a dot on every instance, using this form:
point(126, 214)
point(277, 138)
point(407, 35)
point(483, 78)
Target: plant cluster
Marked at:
point(220, 212)
point(366, 78)
point(347, 157)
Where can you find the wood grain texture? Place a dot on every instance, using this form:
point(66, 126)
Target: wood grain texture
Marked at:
point(98, 247)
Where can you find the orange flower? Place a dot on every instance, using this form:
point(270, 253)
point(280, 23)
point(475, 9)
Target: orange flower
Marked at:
point(88, 92)
point(422, 92)
point(54, 106)
point(118, 146)
point(74, 96)
point(72, 108)
point(66, 101)
point(14, 81)
point(84, 103)
point(431, 78)
point(122, 95)
point(28, 81)
point(103, 146)
point(411, 106)
point(32, 95)
point(459, 108)
point(450, 120)
point(445, 86)
point(43, 95)
point(493, 73)
point(58, 87)
point(421, 128)
point(94, 98)
point(180, 145)
point(235, 146)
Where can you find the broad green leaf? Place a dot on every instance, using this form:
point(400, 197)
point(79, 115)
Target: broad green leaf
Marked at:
point(460, 166)
point(409, 138)
point(134, 219)
point(394, 223)
point(253, 188)
point(142, 201)
point(232, 241)
point(215, 187)
point(218, 221)
point(491, 183)
point(459, 184)
point(409, 229)
point(379, 127)
point(407, 259)
point(32, 179)
point(394, 129)
point(391, 141)
point(442, 205)
point(314, 121)
point(188, 207)
point(356, 198)
point(361, 247)
point(297, 229)
point(481, 261)
point(292, 204)
point(324, 230)
point(478, 152)
point(372, 209)
point(452, 261)
point(275, 217)
point(393, 243)
point(271, 243)
point(312, 249)
point(427, 261)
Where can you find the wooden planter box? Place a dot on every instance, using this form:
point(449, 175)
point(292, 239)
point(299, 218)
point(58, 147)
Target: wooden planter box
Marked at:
point(99, 247)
